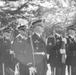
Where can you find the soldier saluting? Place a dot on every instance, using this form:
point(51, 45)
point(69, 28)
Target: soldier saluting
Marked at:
point(71, 52)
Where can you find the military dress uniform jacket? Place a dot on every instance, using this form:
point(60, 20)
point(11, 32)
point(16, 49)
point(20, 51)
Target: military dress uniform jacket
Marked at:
point(71, 51)
point(5, 47)
point(5, 56)
point(23, 51)
point(40, 59)
point(1, 45)
point(23, 54)
point(54, 44)
point(39, 46)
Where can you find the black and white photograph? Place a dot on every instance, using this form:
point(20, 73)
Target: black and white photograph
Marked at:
point(37, 37)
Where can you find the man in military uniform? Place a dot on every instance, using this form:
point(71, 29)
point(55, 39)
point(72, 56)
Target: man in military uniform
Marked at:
point(23, 52)
point(71, 52)
point(39, 51)
point(30, 60)
point(22, 48)
point(54, 49)
point(1, 51)
point(5, 51)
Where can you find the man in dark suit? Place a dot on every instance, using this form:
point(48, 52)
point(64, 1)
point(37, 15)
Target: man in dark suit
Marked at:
point(54, 46)
point(71, 52)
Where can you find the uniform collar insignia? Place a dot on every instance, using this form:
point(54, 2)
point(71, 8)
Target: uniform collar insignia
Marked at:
point(58, 40)
point(36, 41)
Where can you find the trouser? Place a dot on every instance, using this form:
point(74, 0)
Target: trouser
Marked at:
point(71, 70)
point(41, 68)
point(6, 63)
point(24, 70)
point(58, 70)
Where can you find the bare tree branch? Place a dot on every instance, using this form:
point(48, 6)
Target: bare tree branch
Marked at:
point(18, 9)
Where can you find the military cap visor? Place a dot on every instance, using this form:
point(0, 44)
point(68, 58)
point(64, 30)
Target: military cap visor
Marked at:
point(73, 29)
point(7, 29)
point(36, 22)
point(22, 28)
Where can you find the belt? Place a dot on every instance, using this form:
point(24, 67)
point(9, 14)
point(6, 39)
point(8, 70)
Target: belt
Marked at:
point(39, 53)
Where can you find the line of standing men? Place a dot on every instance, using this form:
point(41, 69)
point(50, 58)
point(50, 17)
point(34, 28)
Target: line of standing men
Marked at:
point(23, 53)
point(22, 49)
point(55, 51)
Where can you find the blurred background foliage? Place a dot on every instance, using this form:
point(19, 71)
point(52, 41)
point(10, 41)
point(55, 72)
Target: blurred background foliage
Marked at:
point(24, 12)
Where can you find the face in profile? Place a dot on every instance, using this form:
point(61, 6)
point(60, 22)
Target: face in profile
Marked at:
point(23, 33)
point(54, 32)
point(39, 30)
point(7, 35)
point(71, 32)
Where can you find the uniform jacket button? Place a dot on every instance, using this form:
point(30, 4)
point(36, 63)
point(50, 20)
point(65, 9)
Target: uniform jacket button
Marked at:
point(37, 48)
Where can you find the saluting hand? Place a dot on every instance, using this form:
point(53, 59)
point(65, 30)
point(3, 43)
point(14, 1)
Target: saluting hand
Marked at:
point(64, 40)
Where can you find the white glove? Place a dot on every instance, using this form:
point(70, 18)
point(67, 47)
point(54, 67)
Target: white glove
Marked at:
point(32, 70)
point(64, 40)
point(17, 69)
point(47, 56)
point(62, 51)
point(12, 52)
point(48, 72)
point(43, 53)
point(48, 65)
